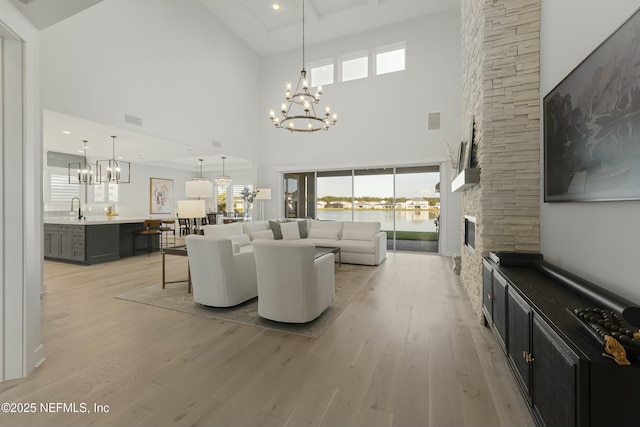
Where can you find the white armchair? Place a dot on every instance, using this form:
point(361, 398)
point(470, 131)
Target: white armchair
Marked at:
point(220, 277)
point(293, 286)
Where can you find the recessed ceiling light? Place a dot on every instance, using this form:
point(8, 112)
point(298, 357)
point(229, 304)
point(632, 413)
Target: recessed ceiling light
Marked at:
point(275, 6)
point(66, 131)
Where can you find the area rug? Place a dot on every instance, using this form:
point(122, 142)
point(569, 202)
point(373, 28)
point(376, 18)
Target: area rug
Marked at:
point(349, 279)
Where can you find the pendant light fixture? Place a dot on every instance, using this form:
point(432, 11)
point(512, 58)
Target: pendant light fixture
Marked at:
point(298, 110)
point(81, 172)
point(223, 180)
point(199, 187)
point(113, 171)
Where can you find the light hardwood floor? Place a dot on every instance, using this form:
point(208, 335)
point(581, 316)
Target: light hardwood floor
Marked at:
point(407, 351)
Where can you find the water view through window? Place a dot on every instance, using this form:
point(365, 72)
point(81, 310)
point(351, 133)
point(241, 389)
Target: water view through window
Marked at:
point(403, 200)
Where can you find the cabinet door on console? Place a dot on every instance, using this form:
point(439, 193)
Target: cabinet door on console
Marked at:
point(487, 292)
point(519, 336)
point(500, 308)
point(555, 371)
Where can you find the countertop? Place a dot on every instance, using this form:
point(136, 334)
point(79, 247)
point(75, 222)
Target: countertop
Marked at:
point(98, 220)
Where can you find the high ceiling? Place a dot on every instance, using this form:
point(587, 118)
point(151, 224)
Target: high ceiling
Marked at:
point(256, 22)
point(270, 31)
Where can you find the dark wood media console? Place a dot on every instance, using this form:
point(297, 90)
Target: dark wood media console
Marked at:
point(556, 361)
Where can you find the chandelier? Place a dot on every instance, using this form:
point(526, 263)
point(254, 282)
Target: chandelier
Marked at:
point(84, 173)
point(298, 110)
point(200, 186)
point(223, 180)
point(115, 171)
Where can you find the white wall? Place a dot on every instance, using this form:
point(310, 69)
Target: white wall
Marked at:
point(20, 197)
point(171, 63)
point(134, 197)
point(599, 240)
point(382, 119)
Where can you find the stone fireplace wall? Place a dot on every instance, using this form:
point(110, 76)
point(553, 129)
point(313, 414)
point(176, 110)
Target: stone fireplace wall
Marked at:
point(500, 92)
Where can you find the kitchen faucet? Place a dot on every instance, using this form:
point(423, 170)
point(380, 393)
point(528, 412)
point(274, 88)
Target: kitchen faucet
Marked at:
point(79, 211)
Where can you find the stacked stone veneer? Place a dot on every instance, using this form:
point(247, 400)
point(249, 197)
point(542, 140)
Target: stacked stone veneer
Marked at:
point(500, 89)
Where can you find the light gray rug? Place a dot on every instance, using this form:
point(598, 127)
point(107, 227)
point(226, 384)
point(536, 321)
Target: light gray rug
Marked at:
point(349, 279)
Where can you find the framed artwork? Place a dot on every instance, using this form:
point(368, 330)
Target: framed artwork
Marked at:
point(160, 196)
point(592, 124)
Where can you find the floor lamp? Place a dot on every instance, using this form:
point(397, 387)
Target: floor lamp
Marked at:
point(263, 194)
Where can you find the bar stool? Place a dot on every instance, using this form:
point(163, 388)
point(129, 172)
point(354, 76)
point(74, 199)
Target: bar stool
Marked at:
point(151, 228)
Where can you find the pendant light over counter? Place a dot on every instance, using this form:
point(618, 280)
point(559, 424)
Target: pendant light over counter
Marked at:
point(113, 171)
point(81, 172)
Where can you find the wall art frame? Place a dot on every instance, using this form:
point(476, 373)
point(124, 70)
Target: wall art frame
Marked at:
point(591, 134)
point(160, 196)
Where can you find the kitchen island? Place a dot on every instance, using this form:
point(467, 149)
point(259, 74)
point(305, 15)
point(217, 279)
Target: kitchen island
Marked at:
point(92, 240)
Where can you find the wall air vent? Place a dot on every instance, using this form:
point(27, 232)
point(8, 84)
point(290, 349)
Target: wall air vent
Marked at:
point(433, 120)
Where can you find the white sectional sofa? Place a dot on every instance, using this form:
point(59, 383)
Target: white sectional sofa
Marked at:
point(359, 242)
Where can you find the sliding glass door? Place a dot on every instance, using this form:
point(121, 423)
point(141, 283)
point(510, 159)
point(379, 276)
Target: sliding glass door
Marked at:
point(335, 195)
point(417, 208)
point(404, 200)
point(300, 195)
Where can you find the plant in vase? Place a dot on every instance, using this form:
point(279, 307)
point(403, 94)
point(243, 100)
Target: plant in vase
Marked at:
point(248, 195)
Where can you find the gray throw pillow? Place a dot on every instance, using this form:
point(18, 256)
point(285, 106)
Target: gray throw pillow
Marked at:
point(275, 227)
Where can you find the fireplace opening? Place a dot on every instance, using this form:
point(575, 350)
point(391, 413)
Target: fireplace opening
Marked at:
point(470, 232)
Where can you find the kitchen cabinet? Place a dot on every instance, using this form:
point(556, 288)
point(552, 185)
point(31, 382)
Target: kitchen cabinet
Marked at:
point(51, 241)
point(84, 243)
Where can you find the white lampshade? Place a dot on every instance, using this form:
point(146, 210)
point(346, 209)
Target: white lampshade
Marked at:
point(191, 209)
point(198, 188)
point(263, 194)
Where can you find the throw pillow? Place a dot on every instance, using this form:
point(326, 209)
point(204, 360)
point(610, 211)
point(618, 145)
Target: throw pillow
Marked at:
point(263, 234)
point(252, 227)
point(241, 239)
point(236, 247)
point(302, 225)
point(290, 231)
point(275, 227)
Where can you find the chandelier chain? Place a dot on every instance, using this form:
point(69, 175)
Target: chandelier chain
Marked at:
point(303, 66)
point(298, 113)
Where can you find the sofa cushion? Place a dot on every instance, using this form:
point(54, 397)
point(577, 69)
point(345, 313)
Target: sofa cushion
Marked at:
point(275, 227)
point(290, 231)
point(262, 234)
point(323, 242)
point(249, 227)
point(325, 229)
point(223, 230)
point(360, 230)
point(356, 246)
point(241, 239)
point(302, 225)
